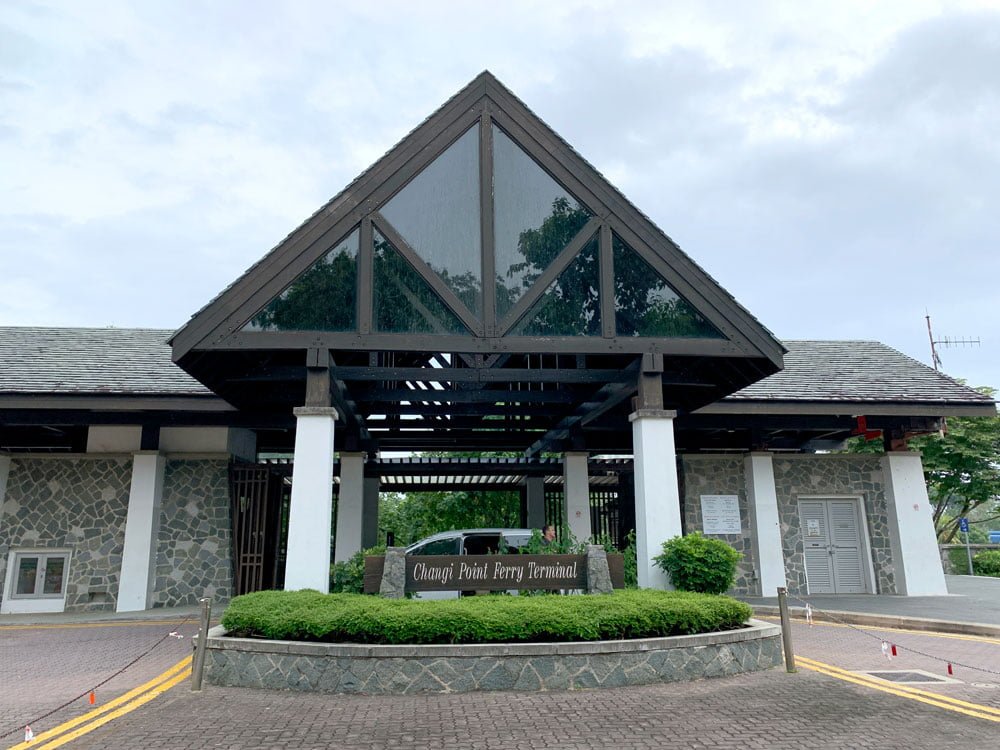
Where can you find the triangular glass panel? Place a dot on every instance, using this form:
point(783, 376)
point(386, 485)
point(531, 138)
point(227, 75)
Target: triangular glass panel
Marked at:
point(571, 306)
point(437, 213)
point(324, 298)
point(534, 219)
point(403, 301)
point(646, 305)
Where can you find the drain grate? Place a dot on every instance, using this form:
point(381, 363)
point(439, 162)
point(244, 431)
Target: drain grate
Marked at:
point(909, 676)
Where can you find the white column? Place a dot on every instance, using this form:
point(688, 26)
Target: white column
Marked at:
point(911, 527)
point(765, 524)
point(142, 529)
point(576, 490)
point(311, 513)
point(535, 487)
point(369, 520)
point(657, 496)
point(350, 506)
point(4, 475)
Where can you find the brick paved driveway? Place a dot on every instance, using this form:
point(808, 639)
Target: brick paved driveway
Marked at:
point(42, 667)
point(764, 710)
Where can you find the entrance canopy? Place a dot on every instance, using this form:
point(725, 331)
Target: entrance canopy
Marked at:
point(481, 287)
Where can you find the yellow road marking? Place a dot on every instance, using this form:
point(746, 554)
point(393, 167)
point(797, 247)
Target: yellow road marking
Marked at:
point(183, 667)
point(977, 710)
point(934, 633)
point(127, 708)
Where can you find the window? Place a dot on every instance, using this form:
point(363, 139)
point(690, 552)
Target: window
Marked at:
point(39, 575)
point(438, 547)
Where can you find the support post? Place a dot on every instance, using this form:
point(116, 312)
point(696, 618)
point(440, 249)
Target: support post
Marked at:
point(657, 494)
point(911, 527)
point(142, 529)
point(310, 515)
point(576, 491)
point(369, 518)
point(535, 487)
point(765, 525)
point(350, 506)
point(786, 629)
point(199, 652)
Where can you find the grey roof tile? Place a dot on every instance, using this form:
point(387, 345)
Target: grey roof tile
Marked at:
point(138, 361)
point(91, 360)
point(856, 371)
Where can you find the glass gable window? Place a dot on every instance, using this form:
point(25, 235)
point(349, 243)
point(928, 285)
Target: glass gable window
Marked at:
point(646, 305)
point(534, 219)
point(403, 302)
point(571, 306)
point(39, 575)
point(324, 298)
point(437, 214)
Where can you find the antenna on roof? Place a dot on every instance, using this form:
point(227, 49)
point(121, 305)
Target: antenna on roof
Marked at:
point(947, 341)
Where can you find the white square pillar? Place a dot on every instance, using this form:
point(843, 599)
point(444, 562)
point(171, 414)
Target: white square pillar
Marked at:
point(911, 527)
point(369, 520)
point(350, 506)
point(4, 474)
point(142, 530)
point(765, 523)
point(576, 492)
point(5, 463)
point(657, 495)
point(310, 515)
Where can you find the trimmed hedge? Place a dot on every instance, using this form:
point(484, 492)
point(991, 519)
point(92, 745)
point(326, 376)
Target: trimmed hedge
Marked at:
point(355, 618)
point(987, 563)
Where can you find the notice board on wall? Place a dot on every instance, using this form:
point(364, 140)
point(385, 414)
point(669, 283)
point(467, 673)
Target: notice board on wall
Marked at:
point(720, 514)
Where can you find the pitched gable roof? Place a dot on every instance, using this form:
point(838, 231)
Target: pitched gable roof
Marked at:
point(484, 98)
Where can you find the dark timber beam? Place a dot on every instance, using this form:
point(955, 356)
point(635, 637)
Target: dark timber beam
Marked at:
point(607, 397)
point(468, 375)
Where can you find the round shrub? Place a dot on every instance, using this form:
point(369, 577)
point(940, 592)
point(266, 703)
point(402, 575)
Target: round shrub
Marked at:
point(697, 563)
point(987, 563)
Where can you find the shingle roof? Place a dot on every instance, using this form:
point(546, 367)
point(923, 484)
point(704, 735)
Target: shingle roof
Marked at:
point(856, 372)
point(138, 362)
point(91, 360)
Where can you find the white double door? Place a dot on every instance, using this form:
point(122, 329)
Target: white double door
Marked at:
point(833, 546)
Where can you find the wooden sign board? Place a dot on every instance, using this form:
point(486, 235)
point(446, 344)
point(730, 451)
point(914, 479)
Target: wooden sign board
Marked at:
point(493, 572)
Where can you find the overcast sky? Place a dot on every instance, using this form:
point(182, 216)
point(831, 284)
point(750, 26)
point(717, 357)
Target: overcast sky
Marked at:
point(835, 166)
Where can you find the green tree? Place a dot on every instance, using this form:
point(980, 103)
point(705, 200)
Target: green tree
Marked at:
point(961, 468)
point(414, 515)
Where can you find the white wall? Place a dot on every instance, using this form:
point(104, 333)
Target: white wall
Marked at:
point(911, 527)
point(114, 438)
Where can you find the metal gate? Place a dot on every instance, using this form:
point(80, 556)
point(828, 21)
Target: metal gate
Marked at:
point(259, 497)
point(832, 546)
point(612, 513)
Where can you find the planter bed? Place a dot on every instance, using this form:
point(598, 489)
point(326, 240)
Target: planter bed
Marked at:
point(407, 669)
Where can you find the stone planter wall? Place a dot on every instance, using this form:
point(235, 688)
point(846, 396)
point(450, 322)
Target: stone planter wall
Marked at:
point(402, 670)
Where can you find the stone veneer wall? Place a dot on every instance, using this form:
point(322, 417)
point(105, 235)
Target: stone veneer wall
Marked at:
point(813, 475)
point(721, 475)
point(193, 554)
point(77, 503)
point(406, 670)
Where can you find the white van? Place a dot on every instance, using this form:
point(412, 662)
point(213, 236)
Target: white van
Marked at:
point(471, 542)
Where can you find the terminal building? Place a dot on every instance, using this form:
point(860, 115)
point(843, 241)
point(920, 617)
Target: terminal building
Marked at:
point(481, 288)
